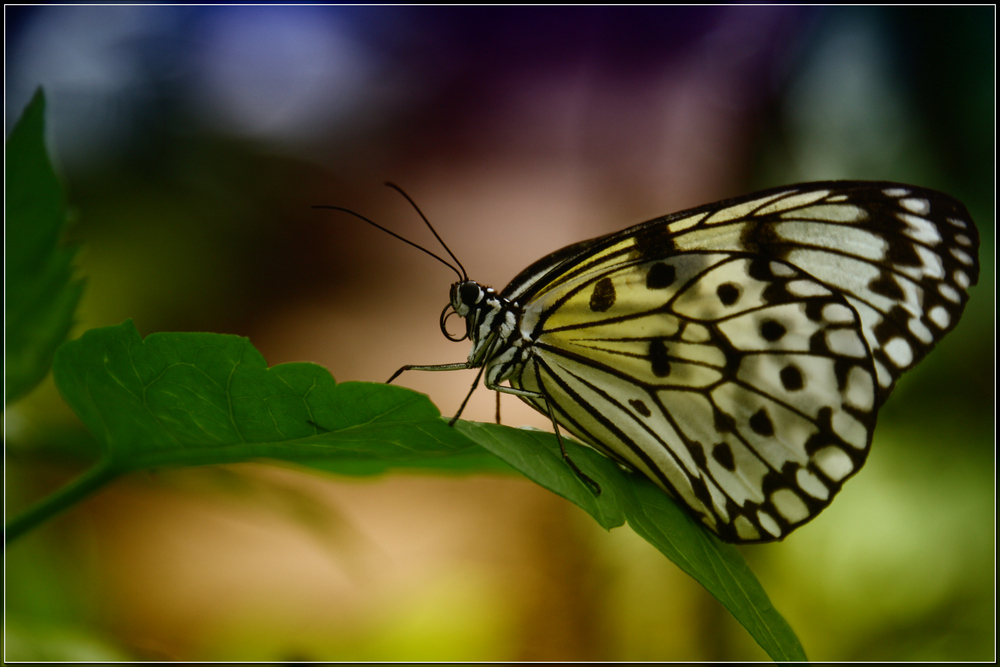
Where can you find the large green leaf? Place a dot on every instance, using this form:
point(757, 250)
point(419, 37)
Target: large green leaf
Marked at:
point(197, 398)
point(41, 294)
point(631, 497)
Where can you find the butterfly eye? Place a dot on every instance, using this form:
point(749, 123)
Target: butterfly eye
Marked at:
point(445, 314)
point(469, 293)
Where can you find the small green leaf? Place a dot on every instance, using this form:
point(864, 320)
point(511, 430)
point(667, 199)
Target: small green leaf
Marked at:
point(41, 295)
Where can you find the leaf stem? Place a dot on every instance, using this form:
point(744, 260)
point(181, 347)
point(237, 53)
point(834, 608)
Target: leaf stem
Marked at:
point(66, 497)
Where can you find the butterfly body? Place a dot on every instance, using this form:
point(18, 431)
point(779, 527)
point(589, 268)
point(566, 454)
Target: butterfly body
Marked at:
point(736, 353)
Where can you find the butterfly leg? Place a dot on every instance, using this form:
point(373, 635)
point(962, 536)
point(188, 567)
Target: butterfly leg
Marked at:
point(443, 367)
point(440, 367)
point(524, 393)
point(461, 408)
point(594, 486)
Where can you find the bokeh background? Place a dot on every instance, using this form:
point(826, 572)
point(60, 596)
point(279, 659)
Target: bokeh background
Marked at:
point(193, 141)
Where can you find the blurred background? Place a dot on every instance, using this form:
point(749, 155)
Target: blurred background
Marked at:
point(192, 142)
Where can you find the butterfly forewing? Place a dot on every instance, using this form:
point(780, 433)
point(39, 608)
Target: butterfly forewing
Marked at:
point(737, 353)
point(903, 256)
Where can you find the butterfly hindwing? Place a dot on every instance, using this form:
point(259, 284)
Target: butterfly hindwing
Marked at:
point(740, 385)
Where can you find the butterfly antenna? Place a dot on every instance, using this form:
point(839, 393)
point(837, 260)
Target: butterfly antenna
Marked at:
point(461, 276)
point(465, 276)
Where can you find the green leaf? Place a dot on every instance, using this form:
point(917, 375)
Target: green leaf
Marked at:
point(717, 566)
point(631, 497)
point(41, 295)
point(536, 454)
point(198, 398)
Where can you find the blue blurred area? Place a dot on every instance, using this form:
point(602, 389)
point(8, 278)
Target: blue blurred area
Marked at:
point(315, 72)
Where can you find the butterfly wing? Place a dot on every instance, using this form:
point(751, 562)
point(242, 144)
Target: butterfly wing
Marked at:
point(737, 353)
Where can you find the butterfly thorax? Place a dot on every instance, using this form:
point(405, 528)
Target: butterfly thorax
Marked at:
point(492, 324)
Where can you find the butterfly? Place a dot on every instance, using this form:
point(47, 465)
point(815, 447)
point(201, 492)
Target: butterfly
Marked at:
point(736, 353)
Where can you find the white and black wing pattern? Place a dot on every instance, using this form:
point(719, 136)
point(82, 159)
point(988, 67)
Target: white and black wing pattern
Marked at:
point(737, 353)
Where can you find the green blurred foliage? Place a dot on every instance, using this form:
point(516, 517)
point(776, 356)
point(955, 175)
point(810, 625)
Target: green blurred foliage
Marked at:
point(40, 293)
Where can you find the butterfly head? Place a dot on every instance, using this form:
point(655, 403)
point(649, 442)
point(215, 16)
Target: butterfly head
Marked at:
point(490, 319)
point(465, 295)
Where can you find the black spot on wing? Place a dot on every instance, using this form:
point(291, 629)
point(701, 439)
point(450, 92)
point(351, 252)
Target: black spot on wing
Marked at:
point(603, 296)
point(639, 407)
point(760, 422)
point(697, 454)
point(701, 491)
point(791, 378)
point(886, 285)
point(772, 330)
point(902, 253)
point(760, 269)
point(841, 369)
point(776, 292)
point(658, 358)
point(723, 423)
point(892, 325)
point(728, 293)
point(723, 454)
point(822, 438)
point(814, 309)
point(653, 240)
point(778, 479)
point(661, 276)
point(761, 239)
point(817, 343)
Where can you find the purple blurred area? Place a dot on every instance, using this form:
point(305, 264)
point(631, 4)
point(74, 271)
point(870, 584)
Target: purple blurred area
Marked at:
point(320, 74)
